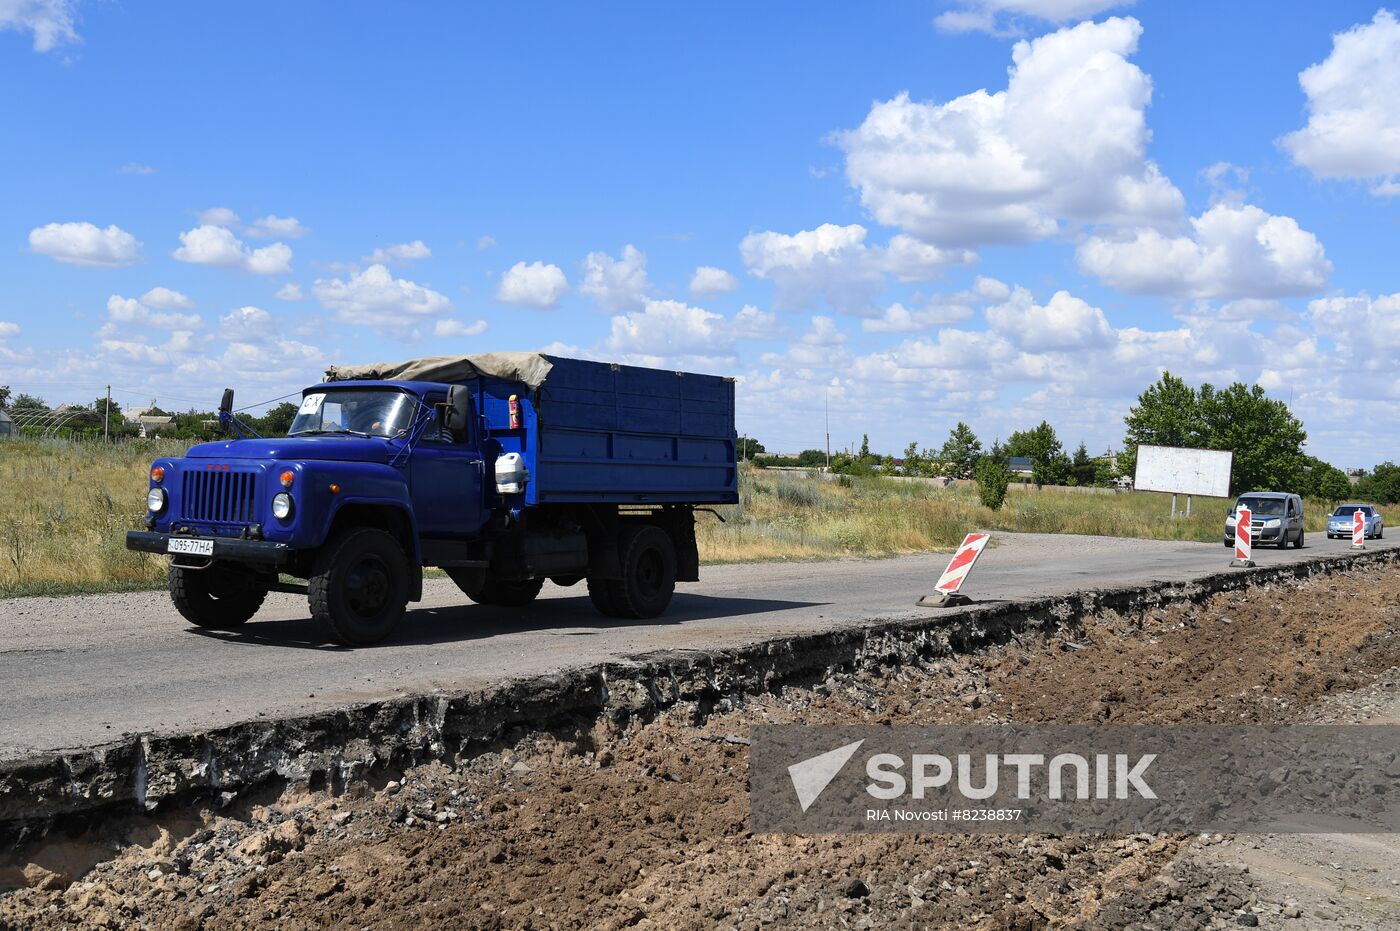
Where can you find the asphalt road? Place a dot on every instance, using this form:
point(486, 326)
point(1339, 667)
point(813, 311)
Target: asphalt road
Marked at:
point(81, 671)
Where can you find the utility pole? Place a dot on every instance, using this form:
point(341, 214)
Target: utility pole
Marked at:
point(828, 428)
point(107, 417)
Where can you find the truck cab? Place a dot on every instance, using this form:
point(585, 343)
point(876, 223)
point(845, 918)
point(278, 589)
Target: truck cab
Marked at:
point(378, 478)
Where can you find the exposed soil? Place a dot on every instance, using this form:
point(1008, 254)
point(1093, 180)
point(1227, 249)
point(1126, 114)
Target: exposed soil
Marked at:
point(647, 827)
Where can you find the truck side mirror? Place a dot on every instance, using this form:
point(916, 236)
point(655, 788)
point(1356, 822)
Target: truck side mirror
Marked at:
point(458, 410)
point(226, 405)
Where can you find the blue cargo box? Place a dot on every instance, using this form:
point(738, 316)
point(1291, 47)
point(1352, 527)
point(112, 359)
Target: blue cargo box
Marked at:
point(598, 432)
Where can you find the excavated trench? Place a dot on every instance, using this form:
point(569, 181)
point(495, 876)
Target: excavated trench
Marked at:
point(616, 795)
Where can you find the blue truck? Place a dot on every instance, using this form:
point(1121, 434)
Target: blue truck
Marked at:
point(502, 469)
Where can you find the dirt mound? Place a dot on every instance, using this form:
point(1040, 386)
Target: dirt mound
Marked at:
point(647, 827)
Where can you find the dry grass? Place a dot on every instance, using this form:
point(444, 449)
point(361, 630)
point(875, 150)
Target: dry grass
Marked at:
point(66, 507)
point(65, 510)
point(795, 515)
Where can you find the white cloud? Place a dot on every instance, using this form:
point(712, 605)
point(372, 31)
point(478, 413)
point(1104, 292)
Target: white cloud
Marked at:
point(983, 15)
point(400, 252)
point(275, 259)
point(217, 245)
point(51, 21)
point(752, 323)
point(291, 291)
point(374, 297)
point(897, 318)
point(166, 299)
point(485, 242)
point(217, 216)
point(1353, 96)
point(269, 226)
point(455, 328)
point(133, 314)
point(671, 330)
point(85, 244)
point(534, 285)
point(246, 324)
point(616, 284)
point(8, 330)
point(1064, 322)
point(1066, 140)
point(136, 168)
point(833, 262)
point(710, 280)
point(1233, 251)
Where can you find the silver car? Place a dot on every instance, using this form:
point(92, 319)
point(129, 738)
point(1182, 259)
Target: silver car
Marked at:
point(1276, 518)
point(1339, 522)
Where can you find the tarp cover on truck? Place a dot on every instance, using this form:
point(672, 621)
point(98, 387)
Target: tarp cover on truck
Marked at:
point(529, 367)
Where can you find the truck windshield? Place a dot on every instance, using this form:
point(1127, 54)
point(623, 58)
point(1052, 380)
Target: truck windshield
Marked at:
point(365, 411)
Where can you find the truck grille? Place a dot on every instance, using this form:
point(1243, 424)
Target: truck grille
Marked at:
point(219, 497)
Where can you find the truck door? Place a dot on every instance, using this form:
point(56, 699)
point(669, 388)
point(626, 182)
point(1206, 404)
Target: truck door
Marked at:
point(445, 476)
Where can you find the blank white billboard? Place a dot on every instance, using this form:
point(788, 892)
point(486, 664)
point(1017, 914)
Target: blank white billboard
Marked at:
point(1204, 472)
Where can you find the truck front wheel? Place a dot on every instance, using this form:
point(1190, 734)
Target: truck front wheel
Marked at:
point(359, 586)
point(648, 573)
point(216, 598)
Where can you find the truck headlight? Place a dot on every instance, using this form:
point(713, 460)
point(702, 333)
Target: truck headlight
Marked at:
point(1272, 523)
point(282, 506)
point(156, 500)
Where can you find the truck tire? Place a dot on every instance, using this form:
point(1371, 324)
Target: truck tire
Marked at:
point(507, 594)
point(600, 592)
point(648, 573)
point(359, 586)
point(215, 598)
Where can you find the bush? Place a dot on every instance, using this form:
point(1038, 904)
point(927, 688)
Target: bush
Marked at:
point(992, 478)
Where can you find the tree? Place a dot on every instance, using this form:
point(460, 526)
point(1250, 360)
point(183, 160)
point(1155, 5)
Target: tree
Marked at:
point(1333, 485)
point(811, 457)
point(28, 402)
point(4, 397)
point(277, 421)
point(747, 446)
point(1049, 464)
point(1082, 469)
point(864, 454)
point(1381, 486)
point(960, 452)
point(993, 477)
point(913, 462)
point(1166, 414)
point(1266, 438)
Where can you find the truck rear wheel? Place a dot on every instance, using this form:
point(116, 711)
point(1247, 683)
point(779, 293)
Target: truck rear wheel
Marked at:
point(359, 586)
point(217, 598)
point(648, 573)
point(508, 594)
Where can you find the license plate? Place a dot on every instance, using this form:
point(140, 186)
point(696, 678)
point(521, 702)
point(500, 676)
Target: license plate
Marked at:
point(190, 546)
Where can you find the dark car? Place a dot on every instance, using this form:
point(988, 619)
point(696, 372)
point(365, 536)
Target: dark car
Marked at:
point(1276, 518)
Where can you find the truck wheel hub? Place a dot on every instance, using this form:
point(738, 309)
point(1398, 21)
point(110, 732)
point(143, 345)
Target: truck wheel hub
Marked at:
point(367, 587)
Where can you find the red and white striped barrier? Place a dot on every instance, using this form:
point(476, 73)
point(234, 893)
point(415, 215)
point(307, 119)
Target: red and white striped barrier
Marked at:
point(1244, 539)
point(1358, 530)
point(946, 590)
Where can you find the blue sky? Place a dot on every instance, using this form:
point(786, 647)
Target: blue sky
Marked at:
point(989, 210)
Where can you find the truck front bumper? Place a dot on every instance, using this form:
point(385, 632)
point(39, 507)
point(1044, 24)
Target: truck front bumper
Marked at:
point(233, 549)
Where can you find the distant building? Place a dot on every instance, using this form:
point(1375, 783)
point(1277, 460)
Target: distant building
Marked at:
point(7, 424)
point(1019, 465)
point(147, 423)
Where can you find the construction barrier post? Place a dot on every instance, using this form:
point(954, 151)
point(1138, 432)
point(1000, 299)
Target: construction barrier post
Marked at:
point(1358, 530)
point(946, 590)
point(1244, 540)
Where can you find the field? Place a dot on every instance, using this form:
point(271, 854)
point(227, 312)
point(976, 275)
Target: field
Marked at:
point(67, 506)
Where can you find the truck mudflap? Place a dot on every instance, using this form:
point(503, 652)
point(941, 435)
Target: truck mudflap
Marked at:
point(230, 548)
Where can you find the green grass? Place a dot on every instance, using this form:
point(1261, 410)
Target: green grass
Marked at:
point(66, 507)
